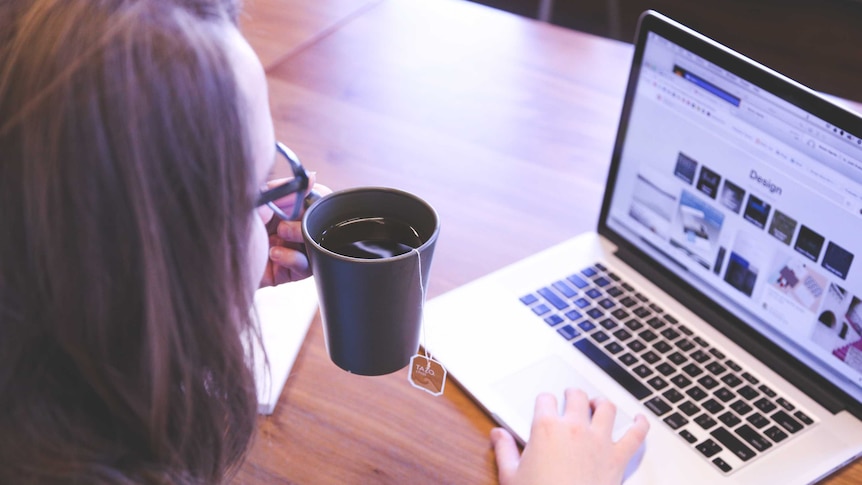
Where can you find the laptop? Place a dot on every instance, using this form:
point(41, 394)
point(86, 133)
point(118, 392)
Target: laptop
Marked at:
point(721, 294)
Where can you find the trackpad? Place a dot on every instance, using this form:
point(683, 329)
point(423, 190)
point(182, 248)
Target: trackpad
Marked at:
point(553, 375)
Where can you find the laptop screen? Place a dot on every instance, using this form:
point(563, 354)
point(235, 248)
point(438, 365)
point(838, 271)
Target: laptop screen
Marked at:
point(749, 188)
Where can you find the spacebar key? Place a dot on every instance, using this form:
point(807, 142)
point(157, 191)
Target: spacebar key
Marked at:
point(622, 376)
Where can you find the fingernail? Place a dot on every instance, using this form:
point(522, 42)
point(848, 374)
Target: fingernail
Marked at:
point(276, 253)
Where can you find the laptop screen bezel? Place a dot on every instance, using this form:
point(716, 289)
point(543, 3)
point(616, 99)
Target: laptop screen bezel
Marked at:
point(787, 365)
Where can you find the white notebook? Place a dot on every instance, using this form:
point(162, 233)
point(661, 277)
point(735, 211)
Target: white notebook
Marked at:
point(285, 313)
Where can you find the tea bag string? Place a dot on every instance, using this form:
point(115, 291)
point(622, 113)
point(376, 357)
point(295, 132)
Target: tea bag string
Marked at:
point(422, 310)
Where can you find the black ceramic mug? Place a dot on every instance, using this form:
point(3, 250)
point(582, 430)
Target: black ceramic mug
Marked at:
point(370, 250)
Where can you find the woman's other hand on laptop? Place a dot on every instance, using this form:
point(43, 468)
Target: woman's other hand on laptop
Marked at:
point(574, 447)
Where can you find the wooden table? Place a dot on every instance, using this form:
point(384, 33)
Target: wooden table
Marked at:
point(504, 124)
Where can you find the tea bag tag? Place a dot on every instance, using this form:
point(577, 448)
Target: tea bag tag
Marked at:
point(427, 374)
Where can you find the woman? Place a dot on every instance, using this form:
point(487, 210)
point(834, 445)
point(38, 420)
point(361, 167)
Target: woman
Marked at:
point(135, 137)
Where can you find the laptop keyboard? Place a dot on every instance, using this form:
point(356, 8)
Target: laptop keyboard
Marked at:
point(729, 415)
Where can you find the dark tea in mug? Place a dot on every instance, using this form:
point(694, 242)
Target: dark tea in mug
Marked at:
point(371, 238)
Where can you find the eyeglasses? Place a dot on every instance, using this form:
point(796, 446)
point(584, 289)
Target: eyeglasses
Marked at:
point(297, 185)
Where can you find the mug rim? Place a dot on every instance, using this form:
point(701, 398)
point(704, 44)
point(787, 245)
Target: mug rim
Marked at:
point(345, 192)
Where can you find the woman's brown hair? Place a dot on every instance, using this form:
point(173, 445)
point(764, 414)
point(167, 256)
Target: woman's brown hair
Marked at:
point(126, 198)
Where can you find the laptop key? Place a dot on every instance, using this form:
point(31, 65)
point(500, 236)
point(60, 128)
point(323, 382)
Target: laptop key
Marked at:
point(715, 368)
point(786, 421)
point(722, 465)
point(696, 393)
point(599, 336)
point(577, 281)
point(657, 383)
point(568, 332)
point(642, 312)
point(733, 444)
point(676, 421)
point(729, 419)
point(724, 394)
point(616, 371)
point(741, 407)
point(541, 309)
point(628, 359)
point(658, 406)
point(564, 289)
point(708, 448)
point(642, 371)
point(620, 314)
point(705, 421)
point(766, 390)
point(689, 408)
point(685, 345)
point(803, 418)
point(614, 348)
point(607, 303)
point(758, 420)
point(628, 302)
point(554, 320)
point(602, 281)
point(699, 356)
point(529, 299)
point(553, 298)
point(673, 395)
point(651, 357)
point(636, 345)
point(647, 335)
point(662, 346)
point(775, 434)
point(677, 358)
point(753, 438)
point(686, 435)
point(712, 406)
point(665, 369)
point(655, 322)
point(692, 370)
point(764, 405)
point(731, 380)
point(785, 404)
point(573, 315)
point(680, 380)
point(747, 392)
point(708, 382)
